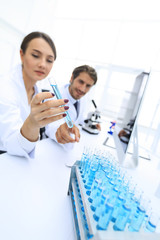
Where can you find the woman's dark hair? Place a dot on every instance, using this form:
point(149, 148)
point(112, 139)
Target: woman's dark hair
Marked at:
point(87, 69)
point(33, 35)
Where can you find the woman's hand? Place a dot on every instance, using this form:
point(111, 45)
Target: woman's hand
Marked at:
point(42, 113)
point(63, 134)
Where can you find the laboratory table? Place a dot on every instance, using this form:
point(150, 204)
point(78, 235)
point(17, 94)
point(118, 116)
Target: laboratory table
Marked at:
point(34, 204)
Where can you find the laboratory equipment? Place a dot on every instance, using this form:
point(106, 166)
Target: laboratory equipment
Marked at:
point(112, 127)
point(152, 222)
point(97, 186)
point(57, 93)
point(92, 120)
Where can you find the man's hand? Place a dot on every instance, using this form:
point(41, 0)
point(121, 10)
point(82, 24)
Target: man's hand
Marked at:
point(122, 133)
point(98, 126)
point(63, 134)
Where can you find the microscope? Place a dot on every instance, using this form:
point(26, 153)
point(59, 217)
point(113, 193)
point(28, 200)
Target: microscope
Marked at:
point(92, 120)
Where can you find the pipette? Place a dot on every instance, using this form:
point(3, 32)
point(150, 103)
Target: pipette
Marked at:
point(57, 93)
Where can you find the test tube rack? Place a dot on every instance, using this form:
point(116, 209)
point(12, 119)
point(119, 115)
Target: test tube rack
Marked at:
point(84, 223)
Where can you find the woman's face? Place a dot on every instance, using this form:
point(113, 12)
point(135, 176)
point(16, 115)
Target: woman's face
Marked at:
point(37, 60)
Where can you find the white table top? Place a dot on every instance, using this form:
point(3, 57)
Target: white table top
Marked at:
point(33, 193)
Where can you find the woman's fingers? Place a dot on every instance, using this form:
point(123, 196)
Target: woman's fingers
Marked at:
point(50, 113)
point(46, 121)
point(47, 109)
point(45, 112)
point(39, 97)
point(50, 104)
point(38, 100)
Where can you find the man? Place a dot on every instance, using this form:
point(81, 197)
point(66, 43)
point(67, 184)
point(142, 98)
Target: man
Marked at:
point(82, 80)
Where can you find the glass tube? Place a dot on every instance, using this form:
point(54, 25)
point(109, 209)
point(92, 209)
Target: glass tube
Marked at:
point(57, 93)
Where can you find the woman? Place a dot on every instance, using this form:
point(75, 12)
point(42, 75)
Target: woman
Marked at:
point(23, 110)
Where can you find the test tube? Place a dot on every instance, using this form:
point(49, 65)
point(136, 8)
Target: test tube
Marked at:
point(105, 217)
point(57, 93)
point(122, 218)
point(152, 222)
point(139, 217)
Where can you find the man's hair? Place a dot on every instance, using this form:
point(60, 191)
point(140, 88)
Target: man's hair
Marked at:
point(87, 69)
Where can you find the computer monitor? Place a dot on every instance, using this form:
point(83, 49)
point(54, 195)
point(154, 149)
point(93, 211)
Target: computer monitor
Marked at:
point(127, 157)
point(125, 135)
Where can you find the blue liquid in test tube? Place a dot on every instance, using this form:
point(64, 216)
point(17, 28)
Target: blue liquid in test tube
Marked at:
point(58, 96)
point(137, 220)
point(119, 201)
point(150, 227)
point(105, 218)
point(122, 218)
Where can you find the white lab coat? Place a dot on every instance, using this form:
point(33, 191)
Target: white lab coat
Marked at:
point(14, 109)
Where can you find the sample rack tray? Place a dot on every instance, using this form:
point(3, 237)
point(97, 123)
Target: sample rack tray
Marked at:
point(84, 223)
